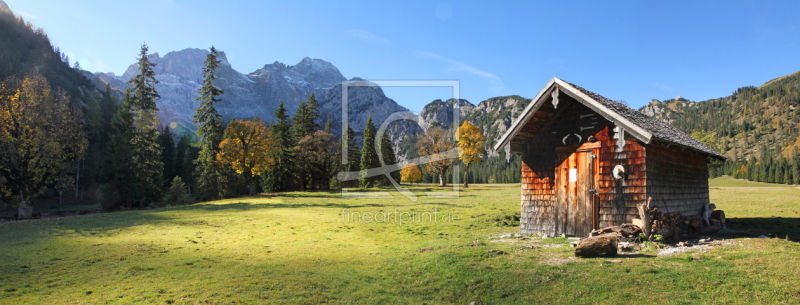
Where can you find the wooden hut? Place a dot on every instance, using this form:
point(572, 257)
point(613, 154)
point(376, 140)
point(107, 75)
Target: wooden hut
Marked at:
point(587, 162)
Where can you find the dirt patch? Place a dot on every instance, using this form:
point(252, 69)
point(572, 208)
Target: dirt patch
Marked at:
point(696, 247)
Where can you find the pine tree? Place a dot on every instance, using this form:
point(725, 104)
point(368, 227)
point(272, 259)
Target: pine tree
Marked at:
point(796, 168)
point(145, 156)
point(122, 153)
point(369, 156)
point(210, 180)
point(389, 158)
point(348, 142)
point(280, 176)
point(298, 120)
point(305, 118)
point(167, 143)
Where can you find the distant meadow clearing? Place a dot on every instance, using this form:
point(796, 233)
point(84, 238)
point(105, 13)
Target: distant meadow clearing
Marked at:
point(316, 247)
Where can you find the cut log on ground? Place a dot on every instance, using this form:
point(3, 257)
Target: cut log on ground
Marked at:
point(715, 226)
point(718, 215)
point(597, 246)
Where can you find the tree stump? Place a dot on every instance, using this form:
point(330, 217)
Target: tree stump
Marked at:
point(718, 215)
point(605, 245)
point(644, 215)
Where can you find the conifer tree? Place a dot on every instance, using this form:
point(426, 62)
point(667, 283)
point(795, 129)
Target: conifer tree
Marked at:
point(305, 118)
point(796, 168)
point(210, 180)
point(167, 143)
point(138, 113)
point(369, 156)
point(280, 175)
point(348, 142)
point(389, 158)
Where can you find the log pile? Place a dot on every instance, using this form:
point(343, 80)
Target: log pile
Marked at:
point(671, 225)
point(625, 232)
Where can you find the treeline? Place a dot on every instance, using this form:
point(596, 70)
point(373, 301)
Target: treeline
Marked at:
point(767, 169)
point(746, 121)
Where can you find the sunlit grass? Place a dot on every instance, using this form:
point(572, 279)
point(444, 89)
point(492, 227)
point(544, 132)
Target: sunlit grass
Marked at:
point(300, 248)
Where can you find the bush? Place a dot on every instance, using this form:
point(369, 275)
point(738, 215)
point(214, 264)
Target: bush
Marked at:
point(177, 192)
point(108, 196)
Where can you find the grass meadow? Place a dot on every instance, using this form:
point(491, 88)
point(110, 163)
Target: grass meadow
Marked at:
point(316, 247)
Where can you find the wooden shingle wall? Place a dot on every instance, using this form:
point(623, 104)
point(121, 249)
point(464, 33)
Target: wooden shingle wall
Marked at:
point(619, 197)
point(539, 162)
point(677, 179)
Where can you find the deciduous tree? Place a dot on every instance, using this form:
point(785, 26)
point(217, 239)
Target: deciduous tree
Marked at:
point(40, 138)
point(247, 149)
point(315, 156)
point(470, 146)
point(410, 173)
point(436, 144)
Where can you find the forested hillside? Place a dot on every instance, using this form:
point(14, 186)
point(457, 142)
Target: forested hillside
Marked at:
point(757, 125)
point(25, 49)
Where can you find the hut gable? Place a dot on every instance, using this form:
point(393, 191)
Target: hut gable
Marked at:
point(639, 125)
point(588, 161)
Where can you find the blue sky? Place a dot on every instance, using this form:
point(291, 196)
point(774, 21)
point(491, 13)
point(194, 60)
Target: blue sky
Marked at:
point(630, 50)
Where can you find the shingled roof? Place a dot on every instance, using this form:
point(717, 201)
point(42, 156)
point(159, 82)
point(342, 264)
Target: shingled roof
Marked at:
point(637, 124)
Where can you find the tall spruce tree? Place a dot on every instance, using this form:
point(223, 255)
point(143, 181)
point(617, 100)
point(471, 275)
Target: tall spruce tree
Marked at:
point(369, 156)
point(167, 143)
point(350, 147)
point(122, 154)
point(210, 179)
point(389, 158)
point(796, 168)
point(305, 118)
point(146, 155)
point(279, 178)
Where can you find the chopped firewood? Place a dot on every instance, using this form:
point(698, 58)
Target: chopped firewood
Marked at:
point(601, 231)
point(597, 246)
point(684, 244)
point(713, 228)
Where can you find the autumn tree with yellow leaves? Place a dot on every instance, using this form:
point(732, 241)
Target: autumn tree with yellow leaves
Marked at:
point(40, 139)
point(410, 173)
point(436, 147)
point(247, 149)
point(470, 146)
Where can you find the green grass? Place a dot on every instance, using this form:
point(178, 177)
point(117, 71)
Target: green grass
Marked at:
point(296, 248)
point(762, 208)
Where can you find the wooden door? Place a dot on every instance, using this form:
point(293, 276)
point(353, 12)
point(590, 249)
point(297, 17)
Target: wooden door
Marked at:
point(575, 181)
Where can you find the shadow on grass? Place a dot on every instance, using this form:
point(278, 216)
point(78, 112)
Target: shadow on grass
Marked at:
point(777, 226)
